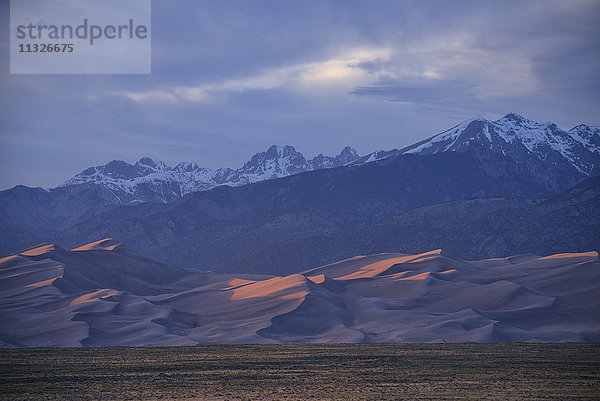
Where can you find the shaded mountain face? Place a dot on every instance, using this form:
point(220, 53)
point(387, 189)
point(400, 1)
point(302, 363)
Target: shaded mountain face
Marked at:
point(105, 294)
point(153, 181)
point(278, 226)
point(473, 228)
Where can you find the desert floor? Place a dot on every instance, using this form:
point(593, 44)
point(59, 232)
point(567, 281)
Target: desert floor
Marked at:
point(303, 371)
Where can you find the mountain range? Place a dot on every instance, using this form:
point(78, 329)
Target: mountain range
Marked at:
point(105, 294)
point(513, 135)
point(481, 189)
point(153, 181)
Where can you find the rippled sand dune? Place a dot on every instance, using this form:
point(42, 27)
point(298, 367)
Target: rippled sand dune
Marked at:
point(105, 294)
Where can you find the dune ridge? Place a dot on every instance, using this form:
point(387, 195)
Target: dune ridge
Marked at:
point(104, 293)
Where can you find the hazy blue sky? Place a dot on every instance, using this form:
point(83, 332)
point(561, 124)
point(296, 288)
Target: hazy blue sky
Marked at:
point(230, 78)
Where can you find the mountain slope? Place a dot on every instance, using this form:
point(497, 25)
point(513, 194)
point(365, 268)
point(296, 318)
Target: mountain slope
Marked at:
point(260, 227)
point(473, 229)
point(53, 297)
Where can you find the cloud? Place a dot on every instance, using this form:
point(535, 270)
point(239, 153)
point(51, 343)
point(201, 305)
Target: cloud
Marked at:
point(451, 68)
point(435, 59)
point(337, 72)
point(457, 92)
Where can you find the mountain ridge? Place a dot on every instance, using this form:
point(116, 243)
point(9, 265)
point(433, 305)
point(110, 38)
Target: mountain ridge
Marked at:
point(512, 135)
point(130, 183)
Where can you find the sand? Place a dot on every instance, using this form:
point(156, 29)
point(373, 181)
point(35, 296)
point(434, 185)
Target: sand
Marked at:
point(105, 294)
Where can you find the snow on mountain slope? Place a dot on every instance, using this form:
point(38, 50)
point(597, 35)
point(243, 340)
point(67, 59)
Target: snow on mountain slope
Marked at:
point(588, 136)
point(150, 180)
point(519, 137)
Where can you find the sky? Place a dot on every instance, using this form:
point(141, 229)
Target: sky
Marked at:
point(230, 78)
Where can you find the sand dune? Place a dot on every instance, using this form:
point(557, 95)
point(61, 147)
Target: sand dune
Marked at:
point(104, 293)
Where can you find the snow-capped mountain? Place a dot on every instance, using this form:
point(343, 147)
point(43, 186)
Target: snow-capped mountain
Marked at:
point(519, 138)
point(150, 180)
point(516, 137)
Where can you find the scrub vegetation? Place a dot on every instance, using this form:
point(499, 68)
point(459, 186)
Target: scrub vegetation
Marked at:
point(306, 371)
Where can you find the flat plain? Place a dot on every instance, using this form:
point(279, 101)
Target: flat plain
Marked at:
point(304, 371)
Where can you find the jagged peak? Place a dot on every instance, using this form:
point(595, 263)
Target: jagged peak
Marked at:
point(146, 160)
point(580, 127)
point(583, 127)
point(183, 167)
point(350, 151)
point(514, 120)
point(275, 151)
point(514, 117)
point(154, 164)
point(115, 163)
point(465, 123)
point(478, 117)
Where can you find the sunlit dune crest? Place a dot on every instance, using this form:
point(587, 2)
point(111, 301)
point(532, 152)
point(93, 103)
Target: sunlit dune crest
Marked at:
point(6, 259)
point(450, 271)
point(283, 287)
point(93, 296)
point(422, 276)
point(592, 254)
point(374, 269)
point(318, 279)
point(98, 296)
point(43, 283)
point(371, 266)
point(430, 253)
point(40, 250)
point(237, 282)
point(106, 244)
